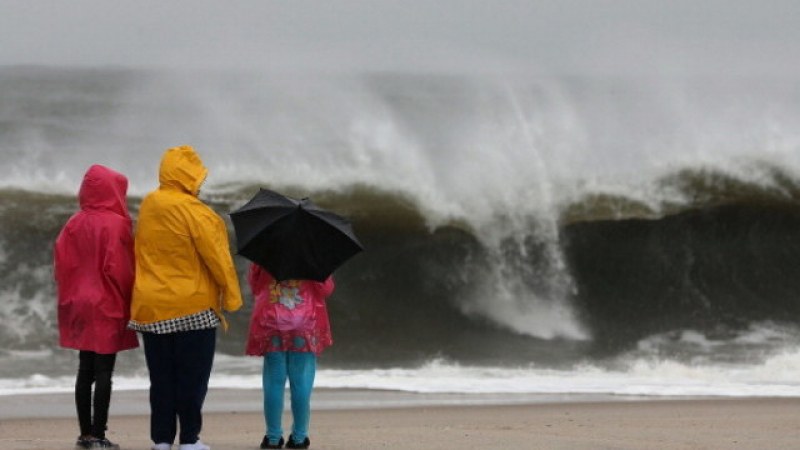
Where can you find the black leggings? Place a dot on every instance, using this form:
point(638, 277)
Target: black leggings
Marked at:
point(94, 368)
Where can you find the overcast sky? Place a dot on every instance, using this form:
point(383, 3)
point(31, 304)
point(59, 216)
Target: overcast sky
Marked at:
point(591, 36)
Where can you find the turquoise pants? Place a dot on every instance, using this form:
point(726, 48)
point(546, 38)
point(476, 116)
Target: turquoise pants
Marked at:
point(299, 368)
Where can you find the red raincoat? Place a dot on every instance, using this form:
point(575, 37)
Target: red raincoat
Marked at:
point(94, 267)
point(273, 328)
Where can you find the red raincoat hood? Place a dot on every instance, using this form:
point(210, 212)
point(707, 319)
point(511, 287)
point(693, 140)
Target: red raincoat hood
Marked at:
point(104, 189)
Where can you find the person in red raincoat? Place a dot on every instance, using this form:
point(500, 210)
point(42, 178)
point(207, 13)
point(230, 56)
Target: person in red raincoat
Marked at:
point(289, 328)
point(94, 272)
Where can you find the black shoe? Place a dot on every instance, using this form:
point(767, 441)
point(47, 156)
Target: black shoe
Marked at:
point(82, 443)
point(265, 443)
point(292, 444)
point(104, 443)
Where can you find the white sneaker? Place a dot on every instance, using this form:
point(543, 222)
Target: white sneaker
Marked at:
point(161, 446)
point(196, 446)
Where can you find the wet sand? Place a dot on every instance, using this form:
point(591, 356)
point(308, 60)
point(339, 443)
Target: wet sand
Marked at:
point(233, 422)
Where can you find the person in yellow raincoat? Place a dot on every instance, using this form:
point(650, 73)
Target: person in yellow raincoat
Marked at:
point(185, 278)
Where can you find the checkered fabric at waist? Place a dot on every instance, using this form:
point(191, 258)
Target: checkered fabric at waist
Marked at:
point(197, 321)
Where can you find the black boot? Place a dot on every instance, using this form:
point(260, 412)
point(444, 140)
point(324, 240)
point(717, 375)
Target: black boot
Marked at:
point(265, 443)
point(292, 444)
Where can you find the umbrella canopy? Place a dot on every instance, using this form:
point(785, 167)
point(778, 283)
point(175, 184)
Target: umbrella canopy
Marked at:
point(293, 239)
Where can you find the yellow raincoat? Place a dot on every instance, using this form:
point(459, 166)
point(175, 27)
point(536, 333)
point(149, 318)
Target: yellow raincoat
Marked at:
point(183, 261)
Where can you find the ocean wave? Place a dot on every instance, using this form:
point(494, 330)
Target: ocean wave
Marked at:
point(776, 376)
point(685, 190)
point(722, 262)
point(753, 183)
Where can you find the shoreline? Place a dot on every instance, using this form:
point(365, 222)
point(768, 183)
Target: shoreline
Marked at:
point(748, 423)
point(134, 402)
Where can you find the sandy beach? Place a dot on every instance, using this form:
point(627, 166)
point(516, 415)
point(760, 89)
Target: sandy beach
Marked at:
point(233, 422)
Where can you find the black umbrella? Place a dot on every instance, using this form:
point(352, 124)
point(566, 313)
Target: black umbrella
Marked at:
point(292, 239)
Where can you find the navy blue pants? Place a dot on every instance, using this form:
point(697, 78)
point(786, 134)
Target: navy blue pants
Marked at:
point(180, 365)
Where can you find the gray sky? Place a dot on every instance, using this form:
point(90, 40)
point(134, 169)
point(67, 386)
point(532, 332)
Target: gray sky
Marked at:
point(590, 36)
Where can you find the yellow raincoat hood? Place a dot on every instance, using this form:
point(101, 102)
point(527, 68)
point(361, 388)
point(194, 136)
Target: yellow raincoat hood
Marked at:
point(183, 260)
point(182, 169)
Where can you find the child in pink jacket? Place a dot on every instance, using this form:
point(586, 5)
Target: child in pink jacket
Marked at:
point(289, 328)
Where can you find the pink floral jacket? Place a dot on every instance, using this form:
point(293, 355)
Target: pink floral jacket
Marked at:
point(288, 315)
